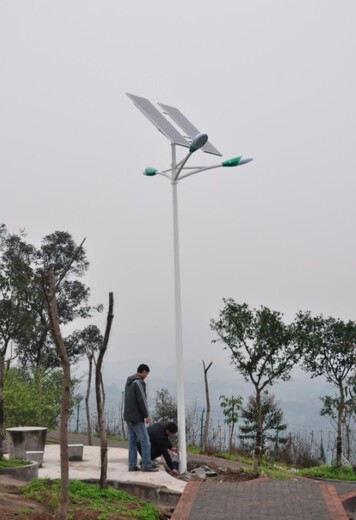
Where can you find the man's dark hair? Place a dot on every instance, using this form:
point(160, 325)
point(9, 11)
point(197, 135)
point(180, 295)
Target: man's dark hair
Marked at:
point(171, 427)
point(143, 368)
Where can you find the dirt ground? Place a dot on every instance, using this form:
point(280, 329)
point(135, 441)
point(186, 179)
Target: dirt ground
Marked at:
point(226, 474)
point(13, 505)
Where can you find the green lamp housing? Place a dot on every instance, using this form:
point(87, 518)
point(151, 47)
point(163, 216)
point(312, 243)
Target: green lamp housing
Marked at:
point(149, 171)
point(236, 161)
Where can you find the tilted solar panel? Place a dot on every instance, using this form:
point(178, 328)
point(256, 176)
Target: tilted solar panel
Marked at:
point(187, 127)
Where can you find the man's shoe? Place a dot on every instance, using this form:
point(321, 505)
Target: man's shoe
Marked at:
point(150, 469)
point(135, 468)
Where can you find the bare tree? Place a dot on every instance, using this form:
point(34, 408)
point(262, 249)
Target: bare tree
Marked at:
point(100, 396)
point(49, 289)
point(88, 340)
point(50, 296)
point(207, 398)
point(90, 356)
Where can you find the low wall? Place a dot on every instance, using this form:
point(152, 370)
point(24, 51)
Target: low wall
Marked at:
point(159, 495)
point(25, 472)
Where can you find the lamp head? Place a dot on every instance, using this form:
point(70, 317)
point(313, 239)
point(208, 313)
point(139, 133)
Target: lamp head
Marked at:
point(149, 171)
point(237, 161)
point(198, 141)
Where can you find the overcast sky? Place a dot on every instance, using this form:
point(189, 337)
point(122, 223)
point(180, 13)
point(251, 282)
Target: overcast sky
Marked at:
point(273, 80)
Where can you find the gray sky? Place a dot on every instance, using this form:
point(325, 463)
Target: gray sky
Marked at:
point(273, 80)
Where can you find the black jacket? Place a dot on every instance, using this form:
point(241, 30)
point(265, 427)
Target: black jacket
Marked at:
point(136, 409)
point(160, 443)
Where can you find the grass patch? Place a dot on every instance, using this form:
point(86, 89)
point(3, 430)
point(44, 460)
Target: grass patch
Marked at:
point(13, 463)
point(90, 497)
point(116, 438)
point(237, 458)
point(278, 472)
point(194, 449)
point(329, 472)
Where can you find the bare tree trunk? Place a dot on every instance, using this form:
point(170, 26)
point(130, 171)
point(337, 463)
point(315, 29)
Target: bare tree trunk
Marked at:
point(65, 403)
point(123, 424)
point(207, 398)
point(87, 396)
point(2, 418)
point(258, 445)
point(348, 441)
point(100, 397)
point(232, 429)
point(340, 414)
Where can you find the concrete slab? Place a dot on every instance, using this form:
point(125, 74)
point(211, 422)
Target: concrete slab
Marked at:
point(89, 468)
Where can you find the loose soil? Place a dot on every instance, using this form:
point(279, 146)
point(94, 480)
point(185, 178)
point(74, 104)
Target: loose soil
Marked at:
point(226, 474)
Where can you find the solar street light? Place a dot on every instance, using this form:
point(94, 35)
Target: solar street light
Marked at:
point(194, 141)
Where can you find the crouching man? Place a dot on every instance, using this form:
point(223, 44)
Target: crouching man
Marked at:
point(159, 434)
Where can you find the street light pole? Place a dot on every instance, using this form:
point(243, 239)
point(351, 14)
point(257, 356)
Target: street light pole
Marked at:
point(178, 326)
point(175, 174)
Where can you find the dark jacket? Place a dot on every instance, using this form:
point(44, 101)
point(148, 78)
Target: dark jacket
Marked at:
point(160, 443)
point(136, 409)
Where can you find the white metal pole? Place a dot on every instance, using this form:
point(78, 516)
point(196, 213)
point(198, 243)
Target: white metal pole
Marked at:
point(178, 326)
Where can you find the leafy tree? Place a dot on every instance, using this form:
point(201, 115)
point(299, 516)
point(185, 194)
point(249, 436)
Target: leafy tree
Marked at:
point(33, 398)
point(330, 409)
point(272, 421)
point(21, 265)
point(231, 407)
point(48, 283)
point(330, 352)
point(165, 407)
point(262, 348)
point(16, 318)
point(24, 320)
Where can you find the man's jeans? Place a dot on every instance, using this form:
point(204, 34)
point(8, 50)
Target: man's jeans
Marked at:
point(138, 432)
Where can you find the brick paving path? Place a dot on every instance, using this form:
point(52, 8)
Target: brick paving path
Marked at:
point(264, 499)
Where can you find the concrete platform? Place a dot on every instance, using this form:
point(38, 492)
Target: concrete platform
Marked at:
point(89, 468)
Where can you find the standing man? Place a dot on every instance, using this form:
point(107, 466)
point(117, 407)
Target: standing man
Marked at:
point(136, 415)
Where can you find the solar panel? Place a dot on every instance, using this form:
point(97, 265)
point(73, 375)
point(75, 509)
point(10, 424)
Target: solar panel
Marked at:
point(187, 127)
point(159, 121)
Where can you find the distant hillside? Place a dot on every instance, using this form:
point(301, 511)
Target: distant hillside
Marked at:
point(299, 398)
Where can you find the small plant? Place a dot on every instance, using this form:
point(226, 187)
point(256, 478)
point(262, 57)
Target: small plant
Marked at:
point(24, 512)
point(231, 407)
